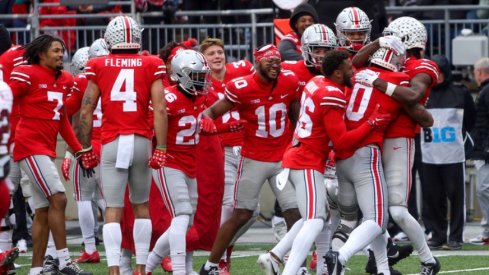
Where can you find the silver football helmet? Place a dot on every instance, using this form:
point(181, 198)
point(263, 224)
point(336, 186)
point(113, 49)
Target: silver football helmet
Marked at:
point(79, 61)
point(388, 59)
point(411, 32)
point(316, 36)
point(352, 19)
point(190, 69)
point(98, 48)
point(123, 32)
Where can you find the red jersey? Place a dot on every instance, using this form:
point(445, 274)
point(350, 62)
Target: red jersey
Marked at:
point(264, 106)
point(233, 70)
point(404, 125)
point(10, 59)
point(125, 83)
point(362, 104)
point(41, 97)
point(182, 138)
point(319, 96)
point(301, 71)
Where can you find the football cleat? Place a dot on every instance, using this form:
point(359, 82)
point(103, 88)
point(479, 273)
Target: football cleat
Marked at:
point(89, 258)
point(314, 260)
point(213, 270)
point(223, 268)
point(430, 268)
point(50, 266)
point(334, 265)
point(268, 264)
point(7, 259)
point(73, 269)
point(166, 264)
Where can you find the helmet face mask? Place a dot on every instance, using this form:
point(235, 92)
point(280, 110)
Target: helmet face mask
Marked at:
point(388, 59)
point(411, 32)
point(98, 48)
point(353, 28)
point(317, 36)
point(79, 61)
point(190, 69)
point(123, 32)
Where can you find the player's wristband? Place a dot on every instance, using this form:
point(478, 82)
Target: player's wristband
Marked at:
point(390, 89)
point(161, 147)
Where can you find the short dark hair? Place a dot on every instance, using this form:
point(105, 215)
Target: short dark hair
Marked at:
point(333, 60)
point(40, 45)
point(165, 52)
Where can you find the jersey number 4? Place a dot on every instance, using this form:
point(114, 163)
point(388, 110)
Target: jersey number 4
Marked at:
point(123, 90)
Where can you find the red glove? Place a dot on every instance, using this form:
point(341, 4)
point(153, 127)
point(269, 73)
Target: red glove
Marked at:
point(89, 160)
point(236, 126)
point(158, 159)
point(378, 120)
point(207, 125)
point(65, 167)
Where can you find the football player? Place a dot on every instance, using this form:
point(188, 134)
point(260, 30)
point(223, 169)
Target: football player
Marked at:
point(267, 100)
point(398, 154)
point(41, 89)
point(177, 179)
point(126, 82)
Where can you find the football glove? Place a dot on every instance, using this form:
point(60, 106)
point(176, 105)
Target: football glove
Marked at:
point(158, 159)
point(366, 77)
point(65, 167)
point(378, 120)
point(392, 42)
point(207, 125)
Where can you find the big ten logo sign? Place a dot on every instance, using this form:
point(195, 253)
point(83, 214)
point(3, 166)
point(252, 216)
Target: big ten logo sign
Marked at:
point(437, 135)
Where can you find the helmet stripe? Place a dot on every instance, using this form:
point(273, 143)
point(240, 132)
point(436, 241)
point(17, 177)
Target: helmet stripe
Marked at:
point(388, 56)
point(356, 17)
point(128, 29)
point(324, 33)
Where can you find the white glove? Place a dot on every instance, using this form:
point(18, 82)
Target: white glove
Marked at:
point(366, 77)
point(392, 43)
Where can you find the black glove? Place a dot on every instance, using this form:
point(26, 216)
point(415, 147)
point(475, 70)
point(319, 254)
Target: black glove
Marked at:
point(87, 172)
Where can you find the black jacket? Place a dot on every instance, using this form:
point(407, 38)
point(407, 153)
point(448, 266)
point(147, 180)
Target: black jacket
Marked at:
point(480, 134)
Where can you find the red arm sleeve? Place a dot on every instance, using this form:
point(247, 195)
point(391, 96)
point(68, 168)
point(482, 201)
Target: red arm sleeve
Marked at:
point(68, 135)
point(336, 128)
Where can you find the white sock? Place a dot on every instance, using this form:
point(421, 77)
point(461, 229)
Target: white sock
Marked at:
point(125, 262)
point(177, 233)
point(226, 212)
point(87, 221)
point(51, 249)
point(35, 270)
point(414, 232)
point(379, 247)
point(285, 244)
point(359, 238)
point(112, 242)
point(189, 262)
point(142, 237)
point(302, 244)
point(154, 260)
point(63, 257)
point(6, 240)
point(208, 265)
point(323, 242)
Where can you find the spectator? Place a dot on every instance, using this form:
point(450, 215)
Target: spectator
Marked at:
point(302, 17)
point(481, 144)
point(443, 168)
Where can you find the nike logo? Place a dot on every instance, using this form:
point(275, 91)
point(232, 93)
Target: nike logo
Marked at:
point(283, 96)
point(394, 256)
point(396, 148)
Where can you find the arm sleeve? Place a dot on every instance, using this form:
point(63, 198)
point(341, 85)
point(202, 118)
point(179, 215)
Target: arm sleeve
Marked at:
point(336, 128)
point(287, 51)
point(68, 135)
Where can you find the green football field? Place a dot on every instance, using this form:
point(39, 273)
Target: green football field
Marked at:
point(471, 260)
